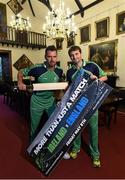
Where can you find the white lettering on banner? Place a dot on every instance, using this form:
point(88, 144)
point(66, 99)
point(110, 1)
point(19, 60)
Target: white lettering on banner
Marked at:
point(40, 145)
point(78, 90)
point(69, 104)
point(63, 112)
point(75, 132)
point(51, 129)
point(53, 126)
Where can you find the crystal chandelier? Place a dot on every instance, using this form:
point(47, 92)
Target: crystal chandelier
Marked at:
point(59, 23)
point(20, 23)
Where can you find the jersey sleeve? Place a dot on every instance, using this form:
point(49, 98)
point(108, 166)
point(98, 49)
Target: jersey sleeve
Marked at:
point(68, 76)
point(25, 71)
point(101, 72)
point(32, 71)
point(96, 69)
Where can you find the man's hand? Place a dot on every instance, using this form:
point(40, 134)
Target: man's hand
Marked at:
point(93, 77)
point(22, 86)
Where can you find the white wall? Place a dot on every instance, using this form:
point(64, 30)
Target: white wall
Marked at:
point(107, 8)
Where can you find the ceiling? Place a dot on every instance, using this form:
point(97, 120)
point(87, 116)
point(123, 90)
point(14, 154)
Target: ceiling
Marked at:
point(77, 7)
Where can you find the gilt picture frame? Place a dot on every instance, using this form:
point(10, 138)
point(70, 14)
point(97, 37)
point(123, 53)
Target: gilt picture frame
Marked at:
point(15, 6)
point(3, 21)
point(71, 40)
point(59, 44)
point(22, 62)
point(105, 55)
point(85, 33)
point(102, 28)
point(120, 23)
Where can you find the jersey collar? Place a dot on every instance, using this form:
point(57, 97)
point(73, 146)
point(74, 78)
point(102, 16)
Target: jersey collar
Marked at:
point(45, 65)
point(83, 64)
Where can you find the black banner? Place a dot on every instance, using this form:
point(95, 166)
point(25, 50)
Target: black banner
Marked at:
point(79, 103)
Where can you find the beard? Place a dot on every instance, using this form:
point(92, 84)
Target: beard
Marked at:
point(51, 63)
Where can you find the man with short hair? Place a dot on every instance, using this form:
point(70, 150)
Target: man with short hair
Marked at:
point(41, 101)
point(75, 54)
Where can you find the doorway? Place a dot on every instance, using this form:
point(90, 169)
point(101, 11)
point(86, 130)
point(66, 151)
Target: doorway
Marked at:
point(5, 66)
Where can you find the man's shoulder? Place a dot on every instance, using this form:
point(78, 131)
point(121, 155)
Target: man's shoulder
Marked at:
point(58, 67)
point(91, 63)
point(70, 70)
point(39, 65)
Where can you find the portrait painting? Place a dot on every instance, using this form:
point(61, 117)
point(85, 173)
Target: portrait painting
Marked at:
point(120, 23)
point(102, 28)
point(59, 43)
point(104, 54)
point(85, 34)
point(71, 39)
point(22, 62)
point(15, 6)
point(3, 21)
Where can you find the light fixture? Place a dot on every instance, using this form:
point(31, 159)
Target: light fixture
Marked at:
point(20, 23)
point(59, 23)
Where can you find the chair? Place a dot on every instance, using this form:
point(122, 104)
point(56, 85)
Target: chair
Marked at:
point(110, 106)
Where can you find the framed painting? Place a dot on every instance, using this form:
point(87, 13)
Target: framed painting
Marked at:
point(15, 6)
point(85, 33)
point(104, 54)
point(102, 28)
point(120, 23)
point(22, 62)
point(59, 43)
point(71, 40)
point(3, 21)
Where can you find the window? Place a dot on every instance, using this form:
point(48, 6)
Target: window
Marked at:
point(5, 66)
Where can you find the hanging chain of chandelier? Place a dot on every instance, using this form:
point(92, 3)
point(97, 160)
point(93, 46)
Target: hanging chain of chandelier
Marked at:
point(59, 23)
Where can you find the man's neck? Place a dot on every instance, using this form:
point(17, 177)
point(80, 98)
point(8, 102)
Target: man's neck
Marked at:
point(49, 67)
point(79, 64)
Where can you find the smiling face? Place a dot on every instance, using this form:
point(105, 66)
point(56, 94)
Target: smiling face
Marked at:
point(51, 58)
point(76, 56)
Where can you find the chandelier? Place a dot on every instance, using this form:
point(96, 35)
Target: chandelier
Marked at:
point(20, 23)
point(59, 23)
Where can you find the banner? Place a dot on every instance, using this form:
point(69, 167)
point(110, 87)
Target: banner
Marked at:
point(81, 100)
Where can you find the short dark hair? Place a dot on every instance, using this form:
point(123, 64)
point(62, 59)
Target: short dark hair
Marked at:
point(74, 48)
point(50, 48)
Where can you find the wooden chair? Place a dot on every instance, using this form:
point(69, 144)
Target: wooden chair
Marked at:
point(109, 108)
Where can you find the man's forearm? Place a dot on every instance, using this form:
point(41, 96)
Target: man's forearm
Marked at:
point(21, 85)
point(20, 77)
point(103, 78)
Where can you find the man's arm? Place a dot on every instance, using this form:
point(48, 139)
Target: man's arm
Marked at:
point(103, 78)
point(21, 85)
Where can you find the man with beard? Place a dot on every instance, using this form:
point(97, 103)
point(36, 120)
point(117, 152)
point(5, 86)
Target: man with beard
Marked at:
point(41, 101)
